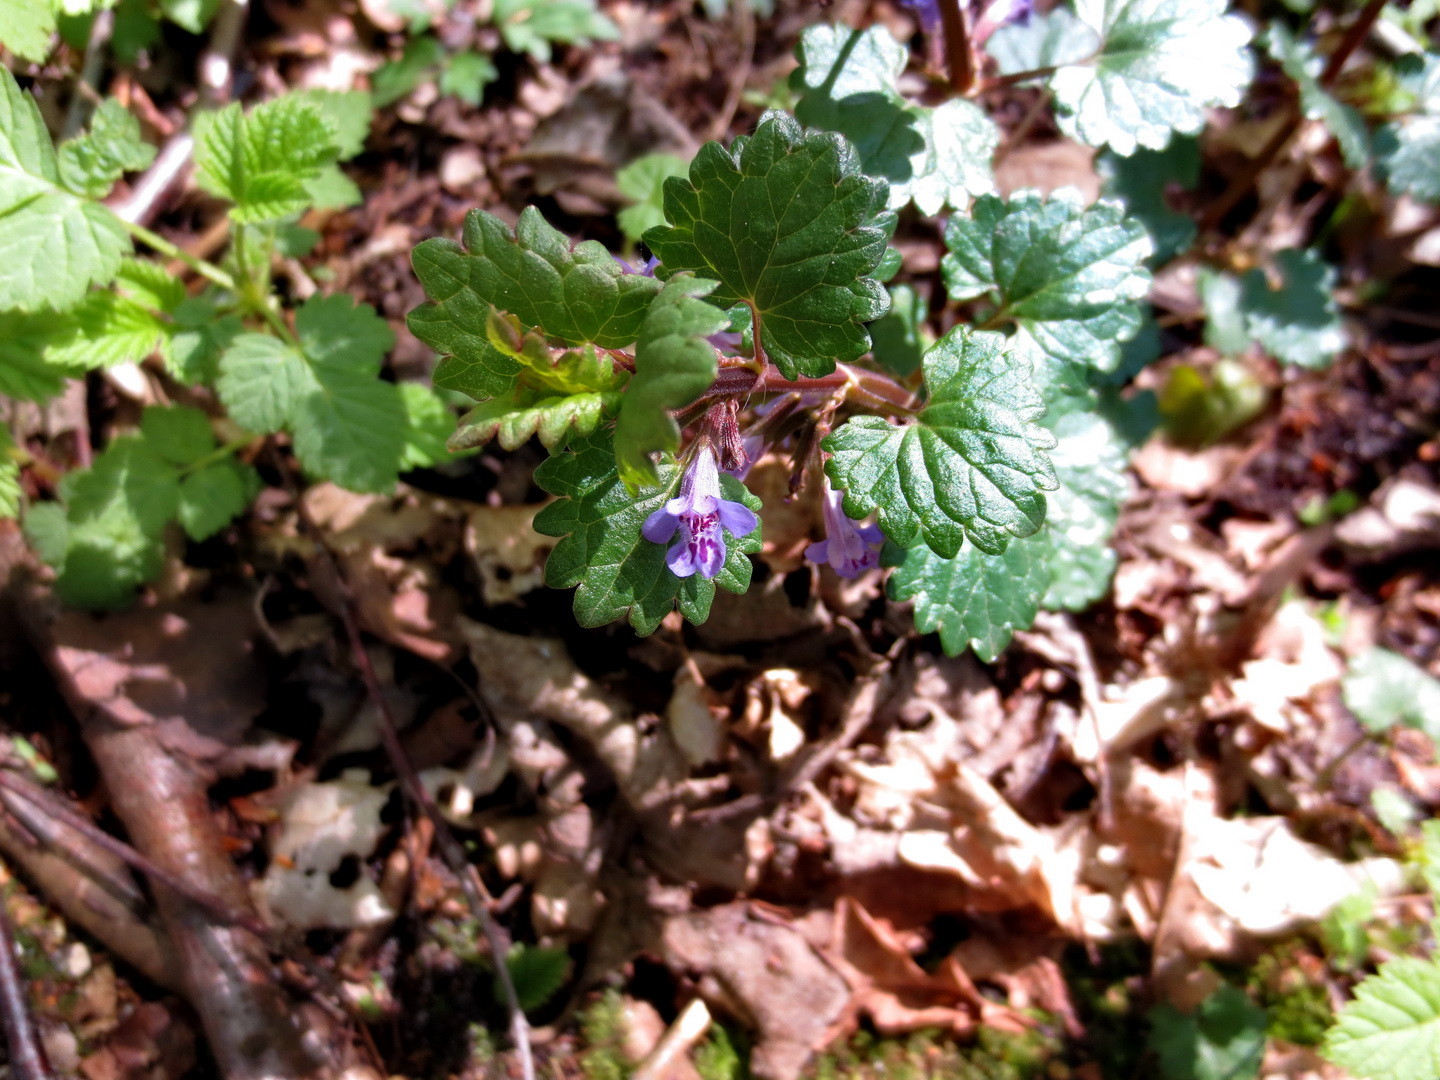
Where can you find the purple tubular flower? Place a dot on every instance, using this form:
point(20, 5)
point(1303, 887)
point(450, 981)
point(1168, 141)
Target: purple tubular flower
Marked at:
point(699, 513)
point(848, 547)
point(927, 12)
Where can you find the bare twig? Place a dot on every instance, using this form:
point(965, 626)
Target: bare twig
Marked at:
point(959, 54)
point(27, 1053)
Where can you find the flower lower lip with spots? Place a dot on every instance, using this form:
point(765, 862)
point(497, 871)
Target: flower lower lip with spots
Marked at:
point(701, 518)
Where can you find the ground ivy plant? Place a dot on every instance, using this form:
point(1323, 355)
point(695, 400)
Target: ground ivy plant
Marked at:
point(77, 294)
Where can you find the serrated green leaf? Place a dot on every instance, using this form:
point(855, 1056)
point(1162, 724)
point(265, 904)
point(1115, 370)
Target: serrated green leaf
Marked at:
point(1044, 40)
point(533, 26)
point(1391, 1031)
point(789, 226)
point(1384, 689)
point(26, 29)
point(213, 496)
point(1298, 323)
point(260, 379)
point(177, 433)
point(643, 183)
point(90, 164)
point(103, 330)
point(1409, 151)
point(428, 424)
point(536, 973)
point(348, 112)
point(9, 477)
point(418, 64)
point(674, 365)
point(53, 243)
point(1161, 64)
point(24, 372)
point(195, 348)
point(1089, 458)
point(1223, 1040)
point(47, 532)
point(1299, 61)
point(618, 572)
point(934, 156)
point(552, 418)
point(578, 296)
point(1066, 273)
point(466, 75)
point(263, 160)
point(973, 600)
point(151, 284)
point(332, 190)
point(971, 464)
point(1143, 181)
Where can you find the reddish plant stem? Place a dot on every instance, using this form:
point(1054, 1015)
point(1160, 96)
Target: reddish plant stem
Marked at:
point(1002, 81)
point(1351, 41)
point(959, 56)
point(27, 1052)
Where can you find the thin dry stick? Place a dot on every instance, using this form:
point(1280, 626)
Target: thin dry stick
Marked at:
point(476, 894)
point(27, 1053)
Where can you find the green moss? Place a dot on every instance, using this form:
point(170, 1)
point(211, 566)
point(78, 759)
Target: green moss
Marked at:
point(929, 1055)
point(721, 1057)
point(1298, 1008)
point(602, 1027)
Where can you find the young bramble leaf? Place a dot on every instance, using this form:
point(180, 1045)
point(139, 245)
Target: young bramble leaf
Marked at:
point(91, 163)
point(106, 329)
point(180, 435)
point(347, 425)
point(788, 226)
point(26, 28)
point(428, 426)
point(1065, 272)
point(1391, 1030)
point(1383, 689)
point(934, 156)
point(53, 242)
point(674, 365)
point(970, 465)
point(263, 160)
point(348, 112)
point(1161, 63)
point(618, 572)
point(578, 296)
point(1301, 64)
point(643, 183)
point(974, 599)
point(531, 26)
point(214, 495)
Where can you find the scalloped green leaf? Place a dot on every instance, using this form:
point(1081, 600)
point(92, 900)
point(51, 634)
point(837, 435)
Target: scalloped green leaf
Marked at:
point(1090, 460)
point(264, 160)
point(1160, 65)
point(552, 418)
point(1068, 274)
point(935, 157)
point(1391, 1030)
point(971, 465)
point(1298, 323)
point(643, 183)
point(576, 296)
point(1143, 181)
point(674, 365)
point(54, 243)
point(973, 600)
point(616, 572)
point(789, 226)
point(1409, 151)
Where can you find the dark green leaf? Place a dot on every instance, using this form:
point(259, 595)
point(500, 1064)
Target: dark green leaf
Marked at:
point(536, 973)
point(788, 226)
point(1144, 180)
point(1298, 323)
point(1223, 1040)
point(90, 164)
point(970, 465)
point(177, 433)
point(24, 372)
point(900, 338)
point(618, 572)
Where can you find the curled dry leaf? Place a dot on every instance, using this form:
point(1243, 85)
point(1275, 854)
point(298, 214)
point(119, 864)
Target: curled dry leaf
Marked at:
point(506, 550)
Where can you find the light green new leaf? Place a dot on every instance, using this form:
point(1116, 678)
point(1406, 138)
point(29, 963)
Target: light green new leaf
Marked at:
point(970, 465)
point(1298, 323)
point(1067, 273)
point(53, 243)
point(618, 572)
point(789, 226)
point(106, 329)
point(348, 112)
point(1391, 1031)
point(578, 296)
point(91, 163)
point(1143, 180)
point(214, 495)
point(973, 600)
point(643, 183)
point(264, 160)
point(347, 425)
point(674, 365)
point(9, 477)
point(1383, 689)
point(1161, 64)
point(533, 26)
point(24, 372)
point(934, 156)
point(1302, 65)
point(26, 28)
point(552, 418)
point(428, 424)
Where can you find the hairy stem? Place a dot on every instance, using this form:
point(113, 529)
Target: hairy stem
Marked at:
point(208, 270)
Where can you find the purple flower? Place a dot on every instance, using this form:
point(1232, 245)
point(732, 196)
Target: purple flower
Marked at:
point(699, 513)
point(848, 547)
point(927, 12)
point(643, 269)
